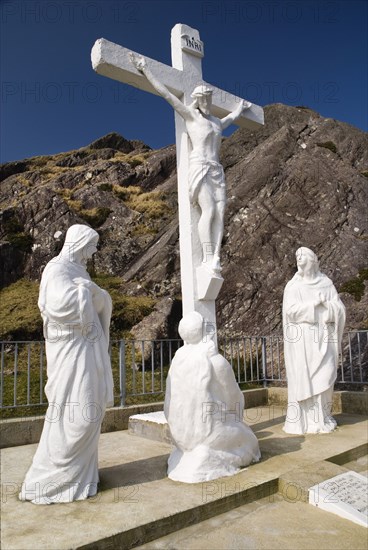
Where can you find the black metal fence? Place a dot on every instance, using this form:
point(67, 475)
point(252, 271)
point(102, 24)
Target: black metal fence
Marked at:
point(140, 366)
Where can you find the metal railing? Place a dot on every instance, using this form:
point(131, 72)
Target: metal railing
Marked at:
point(140, 367)
point(261, 359)
point(143, 366)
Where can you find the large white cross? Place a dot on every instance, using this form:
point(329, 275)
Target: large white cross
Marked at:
point(109, 59)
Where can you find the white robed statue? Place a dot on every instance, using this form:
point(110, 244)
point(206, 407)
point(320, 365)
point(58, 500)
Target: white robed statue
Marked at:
point(204, 409)
point(313, 322)
point(76, 315)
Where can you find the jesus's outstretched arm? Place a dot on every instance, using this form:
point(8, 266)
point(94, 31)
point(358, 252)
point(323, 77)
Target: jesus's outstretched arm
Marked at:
point(141, 65)
point(231, 117)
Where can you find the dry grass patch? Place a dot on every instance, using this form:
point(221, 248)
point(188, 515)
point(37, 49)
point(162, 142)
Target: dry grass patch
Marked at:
point(151, 203)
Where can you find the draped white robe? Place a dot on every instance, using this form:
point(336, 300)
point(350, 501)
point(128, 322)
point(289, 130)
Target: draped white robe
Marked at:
point(312, 342)
point(76, 315)
point(204, 409)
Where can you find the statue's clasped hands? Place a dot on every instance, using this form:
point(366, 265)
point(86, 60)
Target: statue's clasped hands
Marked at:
point(321, 300)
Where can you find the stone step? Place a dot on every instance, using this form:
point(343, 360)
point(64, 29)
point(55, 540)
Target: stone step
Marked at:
point(151, 426)
point(137, 503)
point(154, 425)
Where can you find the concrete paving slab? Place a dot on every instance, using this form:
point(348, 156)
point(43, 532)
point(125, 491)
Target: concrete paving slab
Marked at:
point(268, 524)
point(359, 465)
point(138, 503)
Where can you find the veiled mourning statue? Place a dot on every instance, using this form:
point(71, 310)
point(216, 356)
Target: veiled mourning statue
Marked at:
point(204, 409)
point(313, 322)
point(76, 316)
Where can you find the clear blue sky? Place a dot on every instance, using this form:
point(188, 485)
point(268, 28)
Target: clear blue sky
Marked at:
point(298, 52)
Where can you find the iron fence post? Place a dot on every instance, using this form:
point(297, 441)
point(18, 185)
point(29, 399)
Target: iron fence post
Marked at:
point(264, 361)
point(122, 373)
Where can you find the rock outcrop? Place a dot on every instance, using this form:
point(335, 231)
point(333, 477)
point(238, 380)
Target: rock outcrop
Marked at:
point(300, 180)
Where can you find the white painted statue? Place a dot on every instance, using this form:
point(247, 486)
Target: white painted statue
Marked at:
point(76, 315)
point(313, 322)
point(206, 175)
point(204, 409)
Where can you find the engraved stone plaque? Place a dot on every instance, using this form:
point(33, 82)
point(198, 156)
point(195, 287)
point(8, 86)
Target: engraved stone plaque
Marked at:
point(345, 495)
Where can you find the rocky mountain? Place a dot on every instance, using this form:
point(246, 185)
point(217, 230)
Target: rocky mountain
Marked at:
point(301, 180)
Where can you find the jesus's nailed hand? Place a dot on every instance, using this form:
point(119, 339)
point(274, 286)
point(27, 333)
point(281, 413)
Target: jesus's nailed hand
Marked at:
point(138, 61)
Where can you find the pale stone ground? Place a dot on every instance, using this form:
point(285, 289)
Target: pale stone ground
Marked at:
point(268, 524)
point(137, 502)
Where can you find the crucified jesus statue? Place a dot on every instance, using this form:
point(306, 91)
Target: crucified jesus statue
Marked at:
point(206, 185)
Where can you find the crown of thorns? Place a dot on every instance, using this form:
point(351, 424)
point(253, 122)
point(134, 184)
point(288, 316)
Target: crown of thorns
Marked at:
point(201, 90)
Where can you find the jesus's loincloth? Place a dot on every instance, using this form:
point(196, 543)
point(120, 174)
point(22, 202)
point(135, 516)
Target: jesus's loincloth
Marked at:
point(206, 174)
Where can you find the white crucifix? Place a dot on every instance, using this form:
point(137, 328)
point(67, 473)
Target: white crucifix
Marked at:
point(201, 113)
